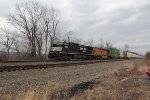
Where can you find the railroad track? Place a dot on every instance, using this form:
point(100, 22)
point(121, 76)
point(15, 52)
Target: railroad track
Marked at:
point(26, 61)
point(13, 66)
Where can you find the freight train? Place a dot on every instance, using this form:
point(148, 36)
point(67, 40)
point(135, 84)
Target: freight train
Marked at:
point(70, 50)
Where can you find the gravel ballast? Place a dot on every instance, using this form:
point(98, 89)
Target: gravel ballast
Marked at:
point(17, 82)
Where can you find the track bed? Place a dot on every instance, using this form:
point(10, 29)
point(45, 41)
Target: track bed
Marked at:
point(36, 84)
point(13, 66)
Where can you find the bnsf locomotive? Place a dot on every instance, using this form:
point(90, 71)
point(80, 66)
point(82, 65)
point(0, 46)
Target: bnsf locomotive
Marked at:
point(70, 50)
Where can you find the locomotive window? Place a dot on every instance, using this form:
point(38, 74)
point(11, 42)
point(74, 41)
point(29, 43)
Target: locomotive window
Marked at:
point(57, 45)
point(54, 45)
point(81, 48)
point(66, 46)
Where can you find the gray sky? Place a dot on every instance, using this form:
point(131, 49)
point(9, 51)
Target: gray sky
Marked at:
point(119, 21)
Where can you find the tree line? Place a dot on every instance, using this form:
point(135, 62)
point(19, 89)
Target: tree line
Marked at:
point(33, 27)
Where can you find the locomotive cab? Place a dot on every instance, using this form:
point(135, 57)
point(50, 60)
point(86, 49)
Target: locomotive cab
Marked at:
point(55, 50)
point(56, 47)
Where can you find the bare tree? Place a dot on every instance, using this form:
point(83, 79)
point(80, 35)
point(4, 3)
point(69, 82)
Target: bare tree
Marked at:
point(126, 47)
point(26, 20)
point(101, 44)
point(45, 23)
point(89, 42)
point(39, 39)
point(54, 23)
point(18, 45)
point(7, 41)
point(2, 55)
point(49, 26)
point(38, 24)
point(108, 44)
point(68, 36)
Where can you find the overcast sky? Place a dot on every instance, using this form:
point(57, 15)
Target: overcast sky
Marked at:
point(119, 21)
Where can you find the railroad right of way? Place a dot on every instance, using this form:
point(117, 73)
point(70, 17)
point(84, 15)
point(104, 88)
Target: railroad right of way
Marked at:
point(17, 84)
point(39, 65)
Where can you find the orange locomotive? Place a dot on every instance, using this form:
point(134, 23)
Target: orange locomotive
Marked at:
point(100, 52)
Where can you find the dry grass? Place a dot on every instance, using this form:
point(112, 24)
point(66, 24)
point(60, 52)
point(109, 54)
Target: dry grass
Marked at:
point(33, 92)
point(124, 86)
point(141, 67)
point(138, 67)
point(129, 89)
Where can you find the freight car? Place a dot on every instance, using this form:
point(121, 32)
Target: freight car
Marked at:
point(70, 50)
point(113, 53)
point(123, 54)
point(132, 55)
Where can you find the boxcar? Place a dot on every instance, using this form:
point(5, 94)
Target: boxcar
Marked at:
point(133, 55)
point(114, 53)
point(123, 54)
